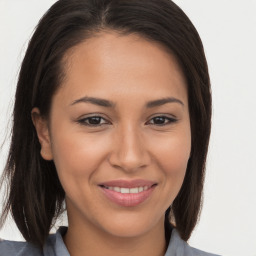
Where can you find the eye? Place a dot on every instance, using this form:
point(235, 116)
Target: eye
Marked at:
point(92, 121)
point(163, 120)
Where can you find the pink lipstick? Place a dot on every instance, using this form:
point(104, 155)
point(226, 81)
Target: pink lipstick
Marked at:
point(128, 192)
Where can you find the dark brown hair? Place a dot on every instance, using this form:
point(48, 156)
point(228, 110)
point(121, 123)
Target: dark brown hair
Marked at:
point(35, 196)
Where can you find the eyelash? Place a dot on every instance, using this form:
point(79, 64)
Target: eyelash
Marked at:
point(83, 121)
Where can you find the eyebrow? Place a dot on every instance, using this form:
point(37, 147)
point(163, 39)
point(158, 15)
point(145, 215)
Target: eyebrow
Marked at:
point(111, 104)
point(159, 102)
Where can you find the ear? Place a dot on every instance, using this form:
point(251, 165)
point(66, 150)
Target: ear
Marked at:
point(43, 134)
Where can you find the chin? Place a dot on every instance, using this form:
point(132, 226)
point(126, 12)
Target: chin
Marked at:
point(130, 226)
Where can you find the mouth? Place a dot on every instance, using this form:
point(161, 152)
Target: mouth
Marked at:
point(125, 190)
point(128, 193)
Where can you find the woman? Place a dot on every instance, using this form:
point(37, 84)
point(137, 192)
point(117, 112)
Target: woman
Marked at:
point(112, 116)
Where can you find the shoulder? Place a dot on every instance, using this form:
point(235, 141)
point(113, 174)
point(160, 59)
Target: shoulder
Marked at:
point(178, 247)
point(54, 245)
point(15, 248)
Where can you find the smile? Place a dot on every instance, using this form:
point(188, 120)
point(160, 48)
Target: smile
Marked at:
point(128, 193)
point(128, 190)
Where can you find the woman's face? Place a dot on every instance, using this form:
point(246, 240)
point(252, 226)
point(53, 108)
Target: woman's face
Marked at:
point(119, 134)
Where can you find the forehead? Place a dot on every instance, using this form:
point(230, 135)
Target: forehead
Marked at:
point(118, 65)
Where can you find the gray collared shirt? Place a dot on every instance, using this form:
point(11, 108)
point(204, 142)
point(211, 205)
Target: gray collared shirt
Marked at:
point(55, 246)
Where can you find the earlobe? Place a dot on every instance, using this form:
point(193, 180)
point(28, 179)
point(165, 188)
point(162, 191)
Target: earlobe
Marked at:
point(43, 134)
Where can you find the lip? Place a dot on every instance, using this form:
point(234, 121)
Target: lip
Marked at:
point(128, 183)
point(127, 199)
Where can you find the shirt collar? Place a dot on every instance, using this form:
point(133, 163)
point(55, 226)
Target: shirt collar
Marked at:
point(59, 248)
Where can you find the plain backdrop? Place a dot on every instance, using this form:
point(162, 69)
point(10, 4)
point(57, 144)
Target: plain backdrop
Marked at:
point(228, 31)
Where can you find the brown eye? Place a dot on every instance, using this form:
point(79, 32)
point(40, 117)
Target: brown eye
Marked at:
point(92, 121)
point(163, 120)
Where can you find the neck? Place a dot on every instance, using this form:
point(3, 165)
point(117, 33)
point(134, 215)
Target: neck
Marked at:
point(83, 240)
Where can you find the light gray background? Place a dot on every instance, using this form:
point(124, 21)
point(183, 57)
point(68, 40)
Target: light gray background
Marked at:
point(228, 31)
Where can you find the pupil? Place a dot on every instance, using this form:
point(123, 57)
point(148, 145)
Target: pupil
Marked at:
point(161, 119)
point(94, 120)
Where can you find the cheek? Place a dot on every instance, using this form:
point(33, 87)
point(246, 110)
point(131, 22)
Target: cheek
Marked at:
point(76, 156)
point(172, 155)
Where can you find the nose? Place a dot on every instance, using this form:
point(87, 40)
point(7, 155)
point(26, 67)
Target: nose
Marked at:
point(129, 151)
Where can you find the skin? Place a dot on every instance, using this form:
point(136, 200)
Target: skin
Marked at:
point(129, 144)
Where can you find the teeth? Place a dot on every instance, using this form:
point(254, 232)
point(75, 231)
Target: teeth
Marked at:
point(117, 189)
point(125, 190)
point(134, 190)
point(128, 190)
